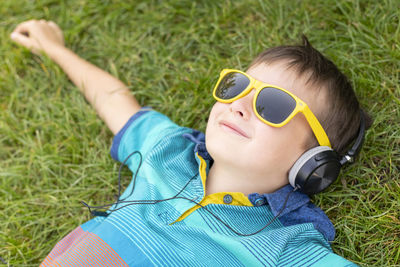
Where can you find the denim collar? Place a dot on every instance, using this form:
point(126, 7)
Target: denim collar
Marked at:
point(199, 139)
point(298, 209)
point(276, 200)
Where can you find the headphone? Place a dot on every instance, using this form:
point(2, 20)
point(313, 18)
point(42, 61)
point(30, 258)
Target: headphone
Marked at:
point(319, 167)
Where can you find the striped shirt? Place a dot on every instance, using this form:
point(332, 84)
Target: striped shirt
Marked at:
point(178, 232)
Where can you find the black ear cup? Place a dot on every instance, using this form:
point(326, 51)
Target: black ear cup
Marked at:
point(315, 170)
point(318, 167)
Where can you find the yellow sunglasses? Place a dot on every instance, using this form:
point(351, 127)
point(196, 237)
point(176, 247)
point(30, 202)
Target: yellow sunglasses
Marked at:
point(273, 105)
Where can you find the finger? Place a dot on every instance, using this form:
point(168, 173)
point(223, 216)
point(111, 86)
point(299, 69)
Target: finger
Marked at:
point(57, 29)
point(24, 41)
point(21, 39)
point(54, 25)
point(26, 24)
point(24, 27)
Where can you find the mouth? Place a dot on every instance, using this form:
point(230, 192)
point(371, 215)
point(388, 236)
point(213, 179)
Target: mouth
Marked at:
point(230, 127)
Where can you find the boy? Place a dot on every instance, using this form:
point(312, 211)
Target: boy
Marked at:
point(222, 198)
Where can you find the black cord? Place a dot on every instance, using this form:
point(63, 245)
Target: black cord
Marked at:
point(133, 202)
point(176, 196)
point(136, 173)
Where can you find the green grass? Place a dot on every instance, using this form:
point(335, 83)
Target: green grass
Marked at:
point(54, 150)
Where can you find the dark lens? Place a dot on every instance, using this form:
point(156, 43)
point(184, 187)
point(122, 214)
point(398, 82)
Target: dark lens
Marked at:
point(274, 105)
point(231, 85)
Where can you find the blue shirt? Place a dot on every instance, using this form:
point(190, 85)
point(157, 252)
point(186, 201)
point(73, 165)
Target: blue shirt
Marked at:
point(177, 231)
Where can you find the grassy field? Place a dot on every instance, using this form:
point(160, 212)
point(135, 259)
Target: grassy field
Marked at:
point(54, 150)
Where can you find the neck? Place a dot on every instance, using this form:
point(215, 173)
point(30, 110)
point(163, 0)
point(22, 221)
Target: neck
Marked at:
point(223, 178)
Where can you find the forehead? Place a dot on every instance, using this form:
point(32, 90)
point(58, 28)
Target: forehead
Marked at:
point(280, 75)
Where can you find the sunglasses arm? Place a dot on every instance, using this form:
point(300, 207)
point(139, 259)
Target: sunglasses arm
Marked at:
point(319, 132)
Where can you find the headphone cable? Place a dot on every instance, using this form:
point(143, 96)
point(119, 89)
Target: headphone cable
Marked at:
point(176, 196)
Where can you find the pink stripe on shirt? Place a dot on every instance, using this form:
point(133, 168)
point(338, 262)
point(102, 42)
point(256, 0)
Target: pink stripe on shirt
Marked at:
point(83, 249)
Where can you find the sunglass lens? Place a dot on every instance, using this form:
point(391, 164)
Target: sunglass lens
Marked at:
point(274, 105)
point(231, 85)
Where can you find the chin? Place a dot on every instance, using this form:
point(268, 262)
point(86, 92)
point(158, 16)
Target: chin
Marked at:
point(220, 150)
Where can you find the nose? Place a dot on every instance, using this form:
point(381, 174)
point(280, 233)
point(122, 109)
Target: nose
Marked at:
point(243, 106)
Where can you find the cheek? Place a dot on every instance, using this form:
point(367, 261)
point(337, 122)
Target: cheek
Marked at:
point(216, 110)
point(221, 147)
point(276, 148)
point(211, 120)
point(211, 130)
point(267, 147)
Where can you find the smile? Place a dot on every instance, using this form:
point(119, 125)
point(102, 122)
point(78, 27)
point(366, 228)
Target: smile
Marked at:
point(232, 128)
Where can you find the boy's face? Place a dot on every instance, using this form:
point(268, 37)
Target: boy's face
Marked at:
point(263, 153)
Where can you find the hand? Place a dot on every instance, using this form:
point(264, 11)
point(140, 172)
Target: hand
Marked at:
point(38, 35)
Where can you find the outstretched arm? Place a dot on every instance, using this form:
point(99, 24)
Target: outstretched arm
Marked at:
point(109, 96)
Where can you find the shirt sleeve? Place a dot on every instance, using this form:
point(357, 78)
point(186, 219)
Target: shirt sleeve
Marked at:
point(311, 249)
point(141, 133)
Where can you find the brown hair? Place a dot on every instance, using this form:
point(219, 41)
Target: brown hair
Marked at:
point(341, 120)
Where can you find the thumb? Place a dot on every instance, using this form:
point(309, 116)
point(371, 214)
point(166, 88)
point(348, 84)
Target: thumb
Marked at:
point(23, 40)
